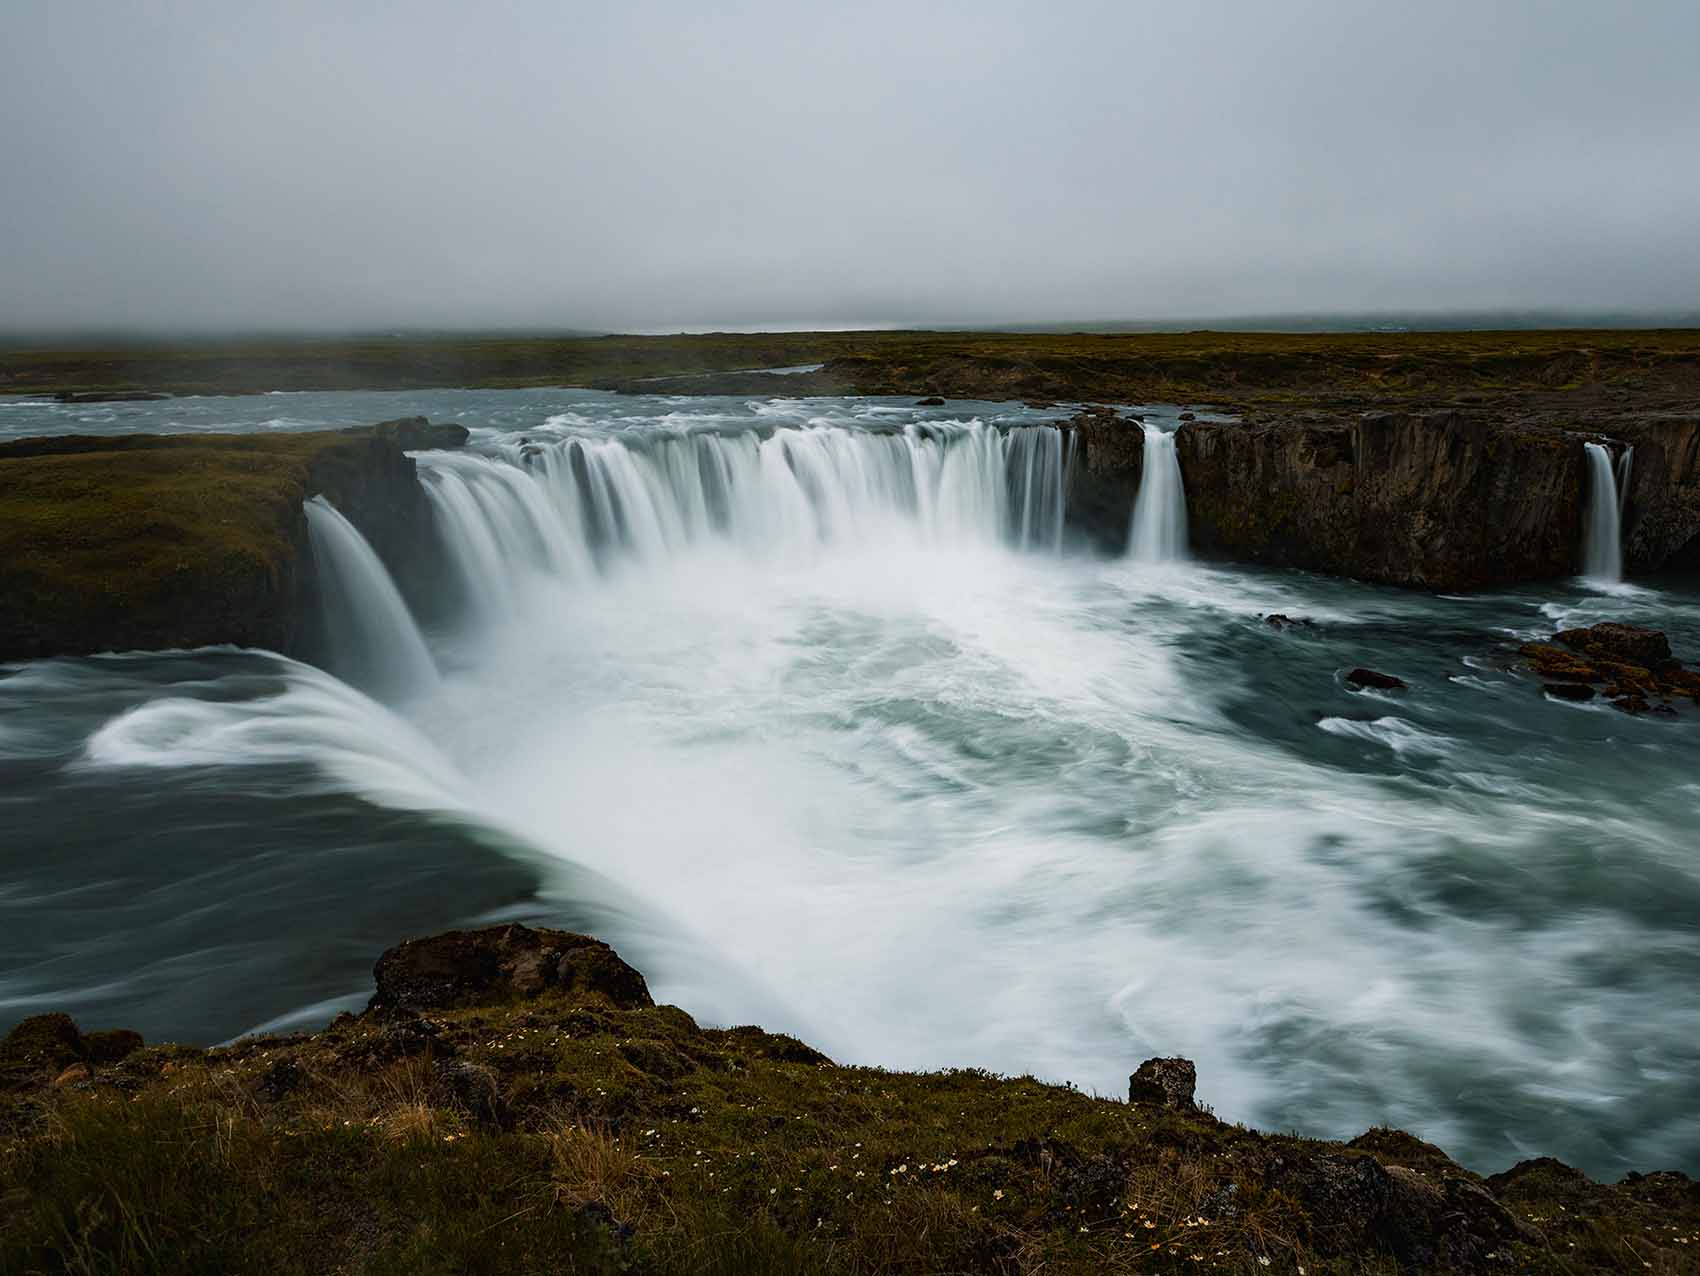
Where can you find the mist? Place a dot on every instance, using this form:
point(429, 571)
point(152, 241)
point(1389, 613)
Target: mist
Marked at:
point(650, 166)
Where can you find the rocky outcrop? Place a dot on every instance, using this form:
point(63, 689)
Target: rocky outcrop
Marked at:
point(1108, 460)
point(505, 1076)
point(1169, 1083)
point(502, 965)
point(114, 543)
point(1630, 666)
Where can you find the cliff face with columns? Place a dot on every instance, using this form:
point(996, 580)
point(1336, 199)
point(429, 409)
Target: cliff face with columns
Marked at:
point(1444, 500)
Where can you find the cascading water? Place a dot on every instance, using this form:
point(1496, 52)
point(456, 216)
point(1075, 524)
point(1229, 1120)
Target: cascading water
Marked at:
point(374, 641)
point(569, 508)
point(1159, 513)
point(1602, 550)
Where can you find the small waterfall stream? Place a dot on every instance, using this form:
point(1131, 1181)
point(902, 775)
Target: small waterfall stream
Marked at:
point(1602, 547)
point(374, 643)
point(1159, 512)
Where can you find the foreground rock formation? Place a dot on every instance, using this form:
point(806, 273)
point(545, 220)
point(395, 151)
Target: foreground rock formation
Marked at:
point(111, 543)
point(513, 1101)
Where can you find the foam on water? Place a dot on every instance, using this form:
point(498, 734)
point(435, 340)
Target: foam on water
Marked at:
point(800, 706)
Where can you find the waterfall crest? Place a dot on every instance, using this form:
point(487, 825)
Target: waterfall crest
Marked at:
point(374, 642)
point(578, 506)
point(1602, 548)
point(1159, 513)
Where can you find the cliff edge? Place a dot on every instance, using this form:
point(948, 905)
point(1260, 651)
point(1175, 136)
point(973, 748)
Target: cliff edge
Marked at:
point(513, 1101)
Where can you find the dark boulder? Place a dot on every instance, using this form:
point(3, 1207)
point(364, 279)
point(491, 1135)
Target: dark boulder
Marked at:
point(111, 1045)
point(40, 1048)
point(932, 401)
point(1577, 691)
point(1627, 644)
point(415, 433)
point(1445, 1223)
point(1370, 678)
point(1169, 1083)
point(503, 964)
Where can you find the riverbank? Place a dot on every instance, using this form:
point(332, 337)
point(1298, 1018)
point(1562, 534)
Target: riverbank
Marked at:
point(145, 541)
point(1582, 368)
point(514, 1101)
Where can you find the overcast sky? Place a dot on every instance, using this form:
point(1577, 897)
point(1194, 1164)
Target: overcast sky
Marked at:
point(633, 165)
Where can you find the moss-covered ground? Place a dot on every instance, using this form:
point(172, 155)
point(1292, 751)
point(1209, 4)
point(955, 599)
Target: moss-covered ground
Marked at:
point(564, 1134)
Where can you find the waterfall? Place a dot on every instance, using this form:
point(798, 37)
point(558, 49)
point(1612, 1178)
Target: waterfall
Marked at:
point(1602, 549)
point(577, 506)
point(1159, 513)
point(374, 642)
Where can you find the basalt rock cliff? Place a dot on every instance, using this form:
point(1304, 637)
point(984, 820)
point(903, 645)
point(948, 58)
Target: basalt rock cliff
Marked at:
point(1442, 500)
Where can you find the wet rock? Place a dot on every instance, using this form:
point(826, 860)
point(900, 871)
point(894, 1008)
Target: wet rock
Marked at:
point(1167, 1082)
point(500, 965)
point(1187, 416)
point(471, 1089)
point(1279, 620)
point(1628, 644)
point(1370, 678)
point(416, 433)
point(1633, 664)
point(931, 401)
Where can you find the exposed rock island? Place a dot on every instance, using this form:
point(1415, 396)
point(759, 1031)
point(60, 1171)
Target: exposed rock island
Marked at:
point(514, 1101)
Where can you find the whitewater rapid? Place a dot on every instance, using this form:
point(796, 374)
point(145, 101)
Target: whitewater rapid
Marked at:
point(816, 716)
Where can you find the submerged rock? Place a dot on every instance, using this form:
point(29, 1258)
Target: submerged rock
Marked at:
point(931, 401)
point(1361, 677)
point(1568, 690)
point(500, 965)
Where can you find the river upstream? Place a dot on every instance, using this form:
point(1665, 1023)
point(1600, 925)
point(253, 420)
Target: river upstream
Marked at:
point(812, 709)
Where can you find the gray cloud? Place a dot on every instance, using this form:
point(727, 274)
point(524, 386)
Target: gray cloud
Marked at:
point(647, 165)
